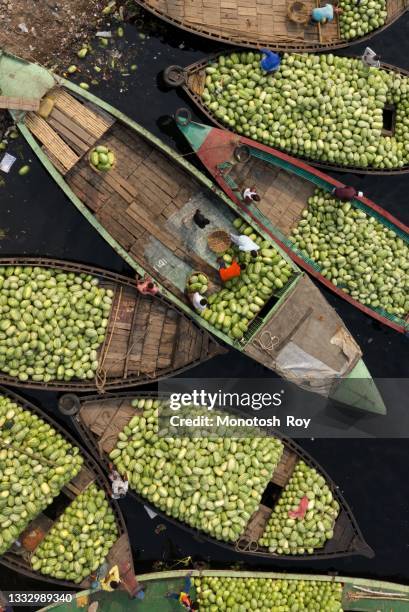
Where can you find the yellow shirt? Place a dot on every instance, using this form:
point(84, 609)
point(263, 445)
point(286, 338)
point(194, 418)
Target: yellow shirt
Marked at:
point(113, 574)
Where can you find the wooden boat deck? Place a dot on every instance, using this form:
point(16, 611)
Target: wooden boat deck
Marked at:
point(100, 422)
point(146, 202)
point(257, 23)
point(283, 195)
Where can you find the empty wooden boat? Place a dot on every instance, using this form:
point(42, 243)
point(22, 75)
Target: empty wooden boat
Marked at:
point(147, 339)
point(280, 25)
point(46, 453)
point(351, 594)
point(332, 111)
point(114, 429)
point(144, 208)
point(285, 185)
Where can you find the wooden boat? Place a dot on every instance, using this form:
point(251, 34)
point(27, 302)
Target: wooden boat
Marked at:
point(142, 208)
point(282, 26)
point(284, 184)
point(147, 338)
point(18, 558)
point(358, 594)
point(192, 79)
point(100, 421)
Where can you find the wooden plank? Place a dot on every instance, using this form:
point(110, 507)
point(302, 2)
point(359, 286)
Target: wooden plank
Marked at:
point(72, 126)
point(72, 141)
point(24, 104)
point(94, 123)
point(51, 140)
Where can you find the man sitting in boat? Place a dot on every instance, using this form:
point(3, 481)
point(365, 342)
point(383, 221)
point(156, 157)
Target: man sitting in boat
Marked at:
point(250, 195)
point(119, 485)
point(270, 62)
point(346, 193)
point(245, 243)
point(183, 597)
point(227, 272)
point(199, 302)
point(325, 13)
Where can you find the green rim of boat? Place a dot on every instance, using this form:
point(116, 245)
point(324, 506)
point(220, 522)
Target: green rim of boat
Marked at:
point(359, 594)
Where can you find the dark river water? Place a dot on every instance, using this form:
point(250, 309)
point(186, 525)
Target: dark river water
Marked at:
point(38, 220)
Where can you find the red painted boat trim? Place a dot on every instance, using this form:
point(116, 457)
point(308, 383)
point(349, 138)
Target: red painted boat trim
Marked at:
point(211, 155)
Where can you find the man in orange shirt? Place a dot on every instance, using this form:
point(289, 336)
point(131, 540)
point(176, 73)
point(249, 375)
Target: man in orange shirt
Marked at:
point(228, 272)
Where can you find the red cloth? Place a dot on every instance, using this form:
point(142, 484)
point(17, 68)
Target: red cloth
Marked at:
point(231, 272)
point(345, 193)
point(301, 510)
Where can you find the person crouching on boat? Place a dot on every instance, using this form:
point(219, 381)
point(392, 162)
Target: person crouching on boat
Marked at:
point(270, 62)
point(183, 597)
point(370, 58)
point(227, 272)
point(119, 485)
point(146, 286)
point(326, 13)
point(198, 301)
point(245, 244)
point(112, 580)
point(346, 193)
point(250, 195)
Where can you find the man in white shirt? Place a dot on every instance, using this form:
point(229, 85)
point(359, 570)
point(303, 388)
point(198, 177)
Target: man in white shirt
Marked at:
point(119, 485)
point(199, 302)
point(245, 243)
point(370, 58)
point(250, 195)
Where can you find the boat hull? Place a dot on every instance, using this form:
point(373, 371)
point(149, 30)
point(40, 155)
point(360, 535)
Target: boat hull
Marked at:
point(142, 344)
point(215, 25)
point(359, 594)
point(188, 82)
point(122, 547)
point(93, 423)
point(215, 147)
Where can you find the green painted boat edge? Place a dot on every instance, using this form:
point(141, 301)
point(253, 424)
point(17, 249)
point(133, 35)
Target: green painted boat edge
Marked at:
point(348, 582)
point(370, 398)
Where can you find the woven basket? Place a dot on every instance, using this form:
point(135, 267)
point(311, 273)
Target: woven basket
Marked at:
point(195, 273)
point(298, 12)
point(218, 241)
point(95, 168)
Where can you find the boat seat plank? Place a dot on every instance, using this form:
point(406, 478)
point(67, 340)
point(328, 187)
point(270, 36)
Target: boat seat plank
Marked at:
point(257, 523)
point(64, 121)
point(81, 481)
point(54, 160)
point(72, 141)
point(121, 419)
point(18, 103)
point(90, 414)
point(94, 123)
point(51, 140)
point(285, 467)
point(283, 195)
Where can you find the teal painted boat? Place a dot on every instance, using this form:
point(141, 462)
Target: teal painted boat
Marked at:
point(222, 586)
point(144, 207)
point(285, 186)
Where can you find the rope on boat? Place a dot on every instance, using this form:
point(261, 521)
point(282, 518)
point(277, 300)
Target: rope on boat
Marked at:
point(270, 344)
point(370, 594)
point(101, 373)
